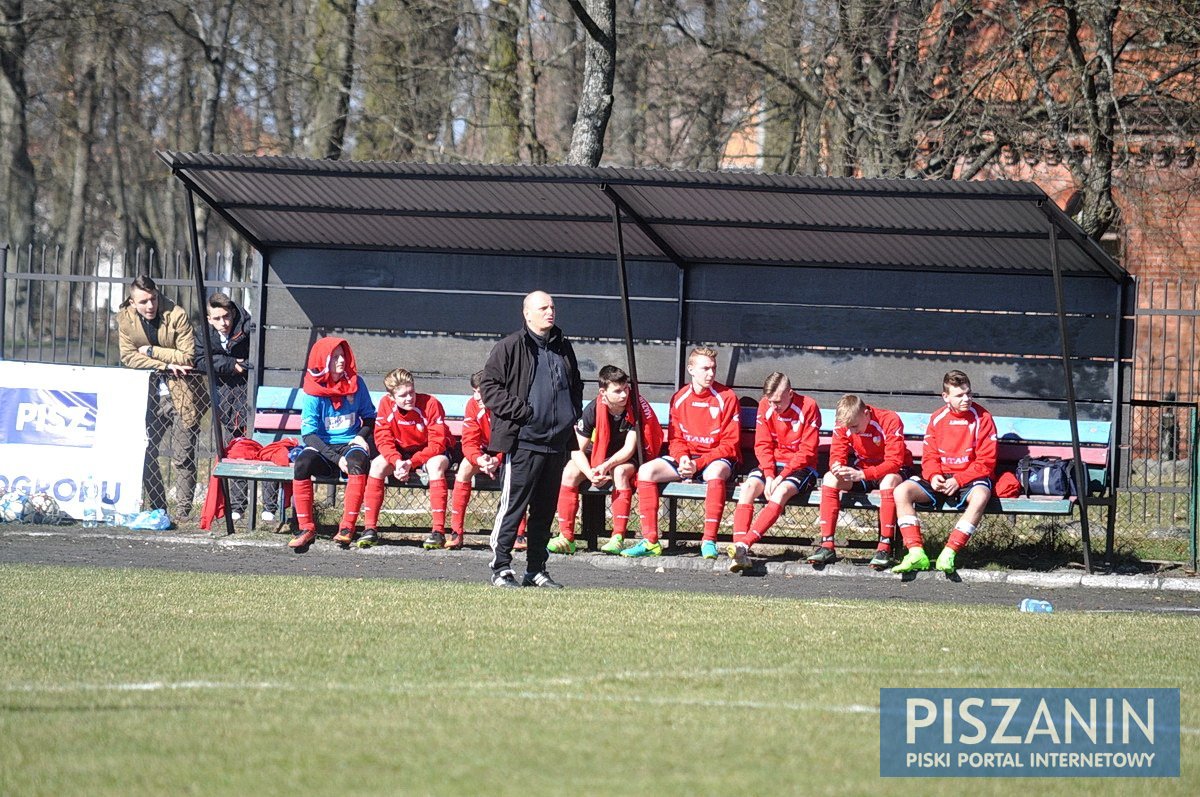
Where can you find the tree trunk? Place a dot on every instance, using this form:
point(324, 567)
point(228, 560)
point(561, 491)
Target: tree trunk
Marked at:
point(17, 177)
point(502, 130)
point(596, 99)
point(333, 42)
point(528, 74)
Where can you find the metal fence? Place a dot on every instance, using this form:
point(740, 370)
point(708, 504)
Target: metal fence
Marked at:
point(60, 308)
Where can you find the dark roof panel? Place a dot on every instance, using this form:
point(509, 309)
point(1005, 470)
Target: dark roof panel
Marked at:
point(731, 217)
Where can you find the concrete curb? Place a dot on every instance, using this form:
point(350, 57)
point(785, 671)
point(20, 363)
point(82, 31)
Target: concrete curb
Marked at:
point(685, 562)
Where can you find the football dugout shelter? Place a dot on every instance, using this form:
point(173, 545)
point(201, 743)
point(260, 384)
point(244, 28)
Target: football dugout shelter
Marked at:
point(875, 287)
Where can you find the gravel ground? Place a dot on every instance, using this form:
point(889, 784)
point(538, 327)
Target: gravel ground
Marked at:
point(268, 555)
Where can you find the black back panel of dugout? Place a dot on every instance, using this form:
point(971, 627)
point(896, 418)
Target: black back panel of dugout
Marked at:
point(879, 333)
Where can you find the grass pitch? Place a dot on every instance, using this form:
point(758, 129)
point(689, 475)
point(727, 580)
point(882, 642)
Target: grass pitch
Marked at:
point(150, 682)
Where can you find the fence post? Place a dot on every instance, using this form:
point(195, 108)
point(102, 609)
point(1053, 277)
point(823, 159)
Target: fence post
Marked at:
point(1193, 439)
point(3, 292)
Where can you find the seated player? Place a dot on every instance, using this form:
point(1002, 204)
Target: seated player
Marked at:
point(702, 438)
point(867, 453)
point(787, 433)
point(337, 419)
point(957, 466)
point(410, 435)
point(607, 444)
point(476, 432)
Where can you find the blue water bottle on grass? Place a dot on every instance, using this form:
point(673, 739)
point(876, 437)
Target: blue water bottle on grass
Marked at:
point(1036, 606)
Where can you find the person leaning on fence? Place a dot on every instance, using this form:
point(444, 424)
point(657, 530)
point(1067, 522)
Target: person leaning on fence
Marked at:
point(703, 442)
point(957, 466)
point(476, 432)
point(867, 453)
point(228, 335)
point(607, 434)
point(410, 435)
point(787, 433)
point(156, 335)
point(337, 419)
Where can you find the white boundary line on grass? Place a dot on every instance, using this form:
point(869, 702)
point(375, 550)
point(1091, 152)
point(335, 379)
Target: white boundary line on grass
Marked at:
point(489, 688)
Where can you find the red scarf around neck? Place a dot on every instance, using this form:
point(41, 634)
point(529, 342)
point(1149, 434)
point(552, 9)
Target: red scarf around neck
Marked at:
point(651, 430)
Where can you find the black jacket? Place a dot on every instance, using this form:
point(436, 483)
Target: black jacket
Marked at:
point(226, 357)
point(508, 377)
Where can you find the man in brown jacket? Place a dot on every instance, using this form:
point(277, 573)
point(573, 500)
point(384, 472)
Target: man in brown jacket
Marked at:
point(156, 335)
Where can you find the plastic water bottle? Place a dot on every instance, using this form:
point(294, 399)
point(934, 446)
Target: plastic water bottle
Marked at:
point(92, 498)
point(1036, 606)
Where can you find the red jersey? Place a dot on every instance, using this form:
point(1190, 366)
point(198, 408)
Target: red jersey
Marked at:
point(417, 435)
point(476, 430)
point(789, 436)
point(960, 444)
point(704, 426)
point(878, 451)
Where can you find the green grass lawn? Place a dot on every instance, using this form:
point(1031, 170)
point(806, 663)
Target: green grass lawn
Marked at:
point(157, 683)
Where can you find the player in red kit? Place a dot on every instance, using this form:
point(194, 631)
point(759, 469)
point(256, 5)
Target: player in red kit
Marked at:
point(867, 453)
point(476, 432)
point(410, 435)
point(702, 439)
point(957, 465)
point(608, 434)
point(787, 432)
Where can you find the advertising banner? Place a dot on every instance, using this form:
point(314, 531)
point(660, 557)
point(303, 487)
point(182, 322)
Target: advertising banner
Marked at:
point(1029, 733)
point(63, 426)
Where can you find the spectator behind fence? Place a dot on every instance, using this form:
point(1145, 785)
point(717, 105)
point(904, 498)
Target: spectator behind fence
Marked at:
point(156, 335)
point(228, 335)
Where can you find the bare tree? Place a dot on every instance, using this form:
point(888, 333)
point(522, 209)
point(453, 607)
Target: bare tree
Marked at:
point(332, 37)
point(502, 128)
point(17, 177)
point(598, 18)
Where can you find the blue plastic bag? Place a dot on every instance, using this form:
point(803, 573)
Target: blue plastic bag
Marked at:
point(150, 520)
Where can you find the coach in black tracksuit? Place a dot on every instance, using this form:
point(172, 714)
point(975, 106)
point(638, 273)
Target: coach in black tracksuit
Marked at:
point(532, 387)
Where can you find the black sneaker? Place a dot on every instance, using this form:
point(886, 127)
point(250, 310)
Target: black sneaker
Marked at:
point(822, 556)
point(368, 538)
point(434, 541)
point(541, 579)
point(882, 560)
point(506, 579)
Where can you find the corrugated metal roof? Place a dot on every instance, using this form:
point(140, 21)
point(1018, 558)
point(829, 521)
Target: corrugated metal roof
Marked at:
point(727, 217)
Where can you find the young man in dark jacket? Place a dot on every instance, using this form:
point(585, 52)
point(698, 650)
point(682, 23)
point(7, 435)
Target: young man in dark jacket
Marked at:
point(531, 385)
point(227, 335)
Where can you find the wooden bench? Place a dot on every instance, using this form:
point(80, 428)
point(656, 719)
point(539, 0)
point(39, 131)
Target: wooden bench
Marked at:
point(277, 416)
point(1018, 437)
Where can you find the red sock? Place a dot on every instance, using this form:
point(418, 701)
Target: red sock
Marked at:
point(356, 485)
point(621, 503)
point(887, 520)
point(648, 509)
point(302, 495)
point(373, 502)
point(765, 520)
point(437, 503)
point(742, 515)
point(458, 505)
point(958, 540)
point(568, 506)
point(911, 535)
point(828, 514)
point(714, 507)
